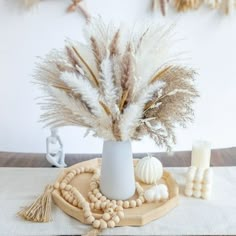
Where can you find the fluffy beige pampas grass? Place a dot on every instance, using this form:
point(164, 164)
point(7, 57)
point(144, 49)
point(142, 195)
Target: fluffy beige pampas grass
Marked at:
point(118, 88)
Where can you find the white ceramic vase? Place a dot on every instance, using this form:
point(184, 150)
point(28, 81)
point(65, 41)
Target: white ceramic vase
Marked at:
point(117, 172)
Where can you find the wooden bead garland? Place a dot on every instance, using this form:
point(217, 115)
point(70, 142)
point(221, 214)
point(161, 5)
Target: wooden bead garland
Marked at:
point(113, 210)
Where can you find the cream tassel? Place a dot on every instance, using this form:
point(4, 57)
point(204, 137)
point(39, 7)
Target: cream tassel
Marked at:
point(40, 210)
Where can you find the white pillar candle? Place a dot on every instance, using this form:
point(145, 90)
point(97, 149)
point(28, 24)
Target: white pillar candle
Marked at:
point(201, 154)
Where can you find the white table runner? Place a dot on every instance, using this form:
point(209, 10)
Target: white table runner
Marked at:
point(20, 186)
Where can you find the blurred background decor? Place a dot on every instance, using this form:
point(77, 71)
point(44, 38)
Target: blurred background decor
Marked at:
point(225, 6)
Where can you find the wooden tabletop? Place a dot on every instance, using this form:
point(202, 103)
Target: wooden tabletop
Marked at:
point(219, 157)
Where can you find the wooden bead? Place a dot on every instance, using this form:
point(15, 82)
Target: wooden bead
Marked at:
point(98, 205)
point(90, 219)
point(94, 199)
point(106, 216)
point(71, 176)
point(121, 214)
point(87, 214)
point(139, 202)
point(95, 191)
point(109, 210)
point(120, 203)
point(103, 198)
point(98, 195)
point(75, 203)
point(113, 202)
point(139, 190)
point(81, 169)
point(133, 203)
point(103, 224)
point(78, 171)
point(63, 192)
point(93, 187)
point(68, 187)
point(142, 199)
point(126, 204)
point(116, 219)
point(85, 204)
point(91, 196)
point(93, 182)
point(74, 172)
point(119, 208)
point(65, 180)
point(96, 224)
point(85, 208)
point(71, 199)
point(62, 185)
point(103, 205)
point(111, 224)
point(79, 197)
point(91, 169)
point(74, 190)
point(110, 205)
point(57, 185)
point(92, 205)
point(67, 176)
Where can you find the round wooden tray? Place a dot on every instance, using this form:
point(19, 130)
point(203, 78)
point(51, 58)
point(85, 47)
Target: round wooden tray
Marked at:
point(133, 216)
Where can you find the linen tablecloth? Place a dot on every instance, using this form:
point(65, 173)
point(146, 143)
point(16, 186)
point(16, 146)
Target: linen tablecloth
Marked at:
point(20, 186)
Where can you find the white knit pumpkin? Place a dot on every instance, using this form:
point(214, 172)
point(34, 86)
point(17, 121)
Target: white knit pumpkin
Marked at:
point(149, 170)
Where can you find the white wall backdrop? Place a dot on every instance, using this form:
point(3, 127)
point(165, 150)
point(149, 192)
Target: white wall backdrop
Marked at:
point(209, 38)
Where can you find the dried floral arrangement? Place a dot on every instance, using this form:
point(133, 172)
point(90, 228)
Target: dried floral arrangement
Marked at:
point(73, 6)
point(227, 6)
point(118, 85)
